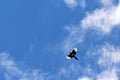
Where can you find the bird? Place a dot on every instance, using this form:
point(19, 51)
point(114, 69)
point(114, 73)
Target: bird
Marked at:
point(72, 54)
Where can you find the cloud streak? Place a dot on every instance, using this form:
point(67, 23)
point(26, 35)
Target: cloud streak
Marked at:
point(75, 3)
point(109, 59)
point(14, 72)
point(84, 78)
point(108, 75)
point(106, 60)
point(109, 56)
point(103, 19)
point(107, 3)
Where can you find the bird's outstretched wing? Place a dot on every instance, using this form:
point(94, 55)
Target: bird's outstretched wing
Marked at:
point(74, 51)
point(69, 56)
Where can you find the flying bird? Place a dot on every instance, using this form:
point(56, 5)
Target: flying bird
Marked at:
point(72, 54)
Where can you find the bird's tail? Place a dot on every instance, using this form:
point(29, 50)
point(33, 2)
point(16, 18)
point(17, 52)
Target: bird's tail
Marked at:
point(75, 57)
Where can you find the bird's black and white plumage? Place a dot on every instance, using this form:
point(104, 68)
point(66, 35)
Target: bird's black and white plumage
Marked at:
point(72, 54)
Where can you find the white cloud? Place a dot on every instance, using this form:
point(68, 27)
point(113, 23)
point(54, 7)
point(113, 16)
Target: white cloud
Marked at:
point(14, 72)
point(107, 3)
point(71, 3)
point(108, 60)
point(102, 19)
point(108, 75)
point(68, 71)
point(75, 37)
point(109, 56)
point(75, 3)
point(82, 3)
point(84, 78)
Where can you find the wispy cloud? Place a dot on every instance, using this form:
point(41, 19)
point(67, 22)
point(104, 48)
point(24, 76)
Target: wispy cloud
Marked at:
point(108, 75)
point(107, 3)
point(109, 55)
point(74, 3)
point(72, 70)
point(108, 61)
point(13, 71)
point(75, 37)
point(84, 78)
point(103, 19)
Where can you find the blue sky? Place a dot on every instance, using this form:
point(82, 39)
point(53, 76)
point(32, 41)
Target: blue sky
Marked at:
point(35, 37)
